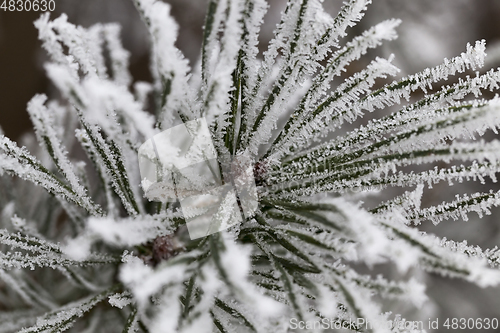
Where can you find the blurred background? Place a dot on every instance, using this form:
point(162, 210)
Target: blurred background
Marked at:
point(431, 30)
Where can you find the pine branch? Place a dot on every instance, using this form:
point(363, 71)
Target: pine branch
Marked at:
point(62, 319)
point(19, 162)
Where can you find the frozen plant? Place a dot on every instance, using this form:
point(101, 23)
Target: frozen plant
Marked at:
point(94, 255)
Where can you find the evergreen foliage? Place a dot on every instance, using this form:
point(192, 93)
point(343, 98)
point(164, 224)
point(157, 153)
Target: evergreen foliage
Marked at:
point(93, 254)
